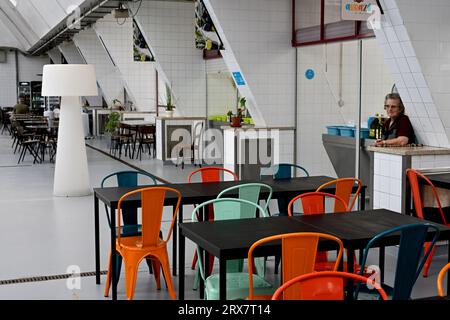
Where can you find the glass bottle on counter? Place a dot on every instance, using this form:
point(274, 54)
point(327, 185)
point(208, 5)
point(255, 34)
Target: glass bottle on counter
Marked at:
point(374, 128)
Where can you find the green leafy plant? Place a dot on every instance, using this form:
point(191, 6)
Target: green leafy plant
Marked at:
point(113, 122)
point(242, 102)
point(169, 101)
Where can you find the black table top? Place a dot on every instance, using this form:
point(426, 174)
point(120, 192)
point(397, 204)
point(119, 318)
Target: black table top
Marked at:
point(357, 227)
point(233, 238)
point(192, 193)
point(440, 180)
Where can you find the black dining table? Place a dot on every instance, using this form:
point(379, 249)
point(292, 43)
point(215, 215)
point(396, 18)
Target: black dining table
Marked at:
point(231, 239)
point(194, 193)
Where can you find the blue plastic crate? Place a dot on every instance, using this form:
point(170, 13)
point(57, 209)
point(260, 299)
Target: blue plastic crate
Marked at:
point(333, 130)
point(347, 131)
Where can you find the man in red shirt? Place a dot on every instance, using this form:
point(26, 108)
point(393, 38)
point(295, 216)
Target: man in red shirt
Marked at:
point(398, 130)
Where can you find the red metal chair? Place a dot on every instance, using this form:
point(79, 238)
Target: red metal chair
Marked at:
point(413, 176)
point(326, 285)
point(209, 174)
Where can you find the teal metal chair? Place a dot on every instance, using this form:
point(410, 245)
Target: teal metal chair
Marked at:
point(250, 192)
point(130, 225)
point(237, 281)
point(286, 170)
point(409, 260)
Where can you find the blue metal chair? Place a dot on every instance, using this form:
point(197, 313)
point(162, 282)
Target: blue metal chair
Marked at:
point(130, 225)
point(409, 260)
point(287, 170)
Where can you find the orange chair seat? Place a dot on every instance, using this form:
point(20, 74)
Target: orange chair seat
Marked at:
point(134, 243)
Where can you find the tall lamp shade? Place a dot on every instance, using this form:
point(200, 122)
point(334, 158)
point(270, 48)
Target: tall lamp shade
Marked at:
point(70, 82)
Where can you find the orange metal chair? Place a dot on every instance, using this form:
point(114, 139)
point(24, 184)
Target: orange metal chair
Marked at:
point(134, 249)
point(314, 203)
point(344, 187)
point(326, 285)
point(413, 176)
point(298, 254)
point(440, 280)
point(209, 174)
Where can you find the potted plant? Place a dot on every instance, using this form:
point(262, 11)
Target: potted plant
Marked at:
point(111, 125)
point(169, 102)
point(117, 104)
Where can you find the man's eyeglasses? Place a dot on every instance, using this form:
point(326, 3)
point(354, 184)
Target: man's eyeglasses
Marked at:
point(386, 106)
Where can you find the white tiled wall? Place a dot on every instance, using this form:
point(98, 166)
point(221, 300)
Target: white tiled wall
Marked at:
point(318, 98)
point(108, 76)
point(139, 77)
point(430, 162)
point(387, 184)
point(8, 87)
point(416, 45)
point(257, 38)
point(73, 56)
point(221, 94)
point(169, 27)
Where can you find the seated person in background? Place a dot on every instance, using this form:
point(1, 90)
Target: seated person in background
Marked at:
point(397, 130)
point(21, 107)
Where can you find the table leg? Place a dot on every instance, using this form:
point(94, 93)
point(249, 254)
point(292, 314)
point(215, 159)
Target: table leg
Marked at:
point(223, 279)
point(381, 263)
point(97, 240)
point(175, 238)
point(114, 275)
point(350, 269)
point(181, 266)
point(362, 199)
point(202, 283)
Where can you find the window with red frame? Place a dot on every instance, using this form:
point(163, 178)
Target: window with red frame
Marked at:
point(319, 21)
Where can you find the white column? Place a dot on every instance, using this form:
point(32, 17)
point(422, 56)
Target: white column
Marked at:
point(71, 170)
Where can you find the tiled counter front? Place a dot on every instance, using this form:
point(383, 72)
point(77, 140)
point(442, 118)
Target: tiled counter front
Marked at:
point(390, 186)
point(387, 181)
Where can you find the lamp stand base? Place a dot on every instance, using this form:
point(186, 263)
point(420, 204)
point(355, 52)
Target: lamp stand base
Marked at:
point(71, 169)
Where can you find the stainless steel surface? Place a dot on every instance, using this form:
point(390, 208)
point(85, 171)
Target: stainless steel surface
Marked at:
point(342, 154)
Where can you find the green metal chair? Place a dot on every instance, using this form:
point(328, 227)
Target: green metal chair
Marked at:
point(237, 281)
point(250, 192)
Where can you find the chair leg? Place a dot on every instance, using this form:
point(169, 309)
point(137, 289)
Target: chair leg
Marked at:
point(157, 273)
point(164, 260)
point(277, 263)
point(108, 278)
point(430, 257)
point(131, 268)
point(197, 278)
point(194, 260)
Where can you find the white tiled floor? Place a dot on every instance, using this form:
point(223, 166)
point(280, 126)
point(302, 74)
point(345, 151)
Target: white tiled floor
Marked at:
point(43, 235)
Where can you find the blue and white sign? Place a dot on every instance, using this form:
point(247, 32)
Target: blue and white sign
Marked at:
point(238, 78)
point(309, 74)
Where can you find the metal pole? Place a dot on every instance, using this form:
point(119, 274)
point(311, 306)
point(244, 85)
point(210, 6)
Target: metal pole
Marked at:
point(358, 123)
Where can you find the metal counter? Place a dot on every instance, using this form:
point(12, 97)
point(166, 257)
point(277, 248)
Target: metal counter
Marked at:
point(342, 153)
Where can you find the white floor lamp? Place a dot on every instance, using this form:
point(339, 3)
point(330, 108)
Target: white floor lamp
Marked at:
point(70, 82)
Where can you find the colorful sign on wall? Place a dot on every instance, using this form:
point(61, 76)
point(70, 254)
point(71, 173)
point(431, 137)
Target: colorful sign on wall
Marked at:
point(359, 10)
